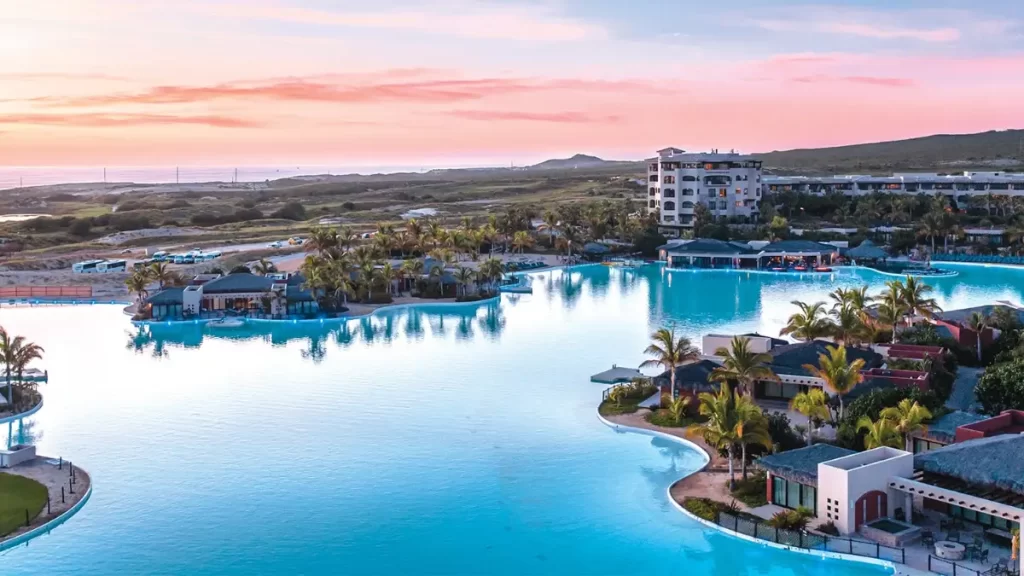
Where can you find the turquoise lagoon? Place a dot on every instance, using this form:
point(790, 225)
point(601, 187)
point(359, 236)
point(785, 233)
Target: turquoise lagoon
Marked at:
point(427, 440)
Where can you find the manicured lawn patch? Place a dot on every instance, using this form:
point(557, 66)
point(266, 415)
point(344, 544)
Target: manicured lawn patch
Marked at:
point(18, 494)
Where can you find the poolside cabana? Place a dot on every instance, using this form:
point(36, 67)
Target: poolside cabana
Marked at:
point(710, 253)
point(616, 375)
point(785, 251)
point(867, 251)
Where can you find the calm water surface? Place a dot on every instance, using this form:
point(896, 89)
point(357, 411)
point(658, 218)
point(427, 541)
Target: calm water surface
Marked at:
point(437, 440)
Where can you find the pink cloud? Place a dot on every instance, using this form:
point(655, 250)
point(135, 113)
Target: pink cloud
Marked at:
point(556, 117)
point(381, 87)
point(890, 33)
point(869, 80)
point(123, 120)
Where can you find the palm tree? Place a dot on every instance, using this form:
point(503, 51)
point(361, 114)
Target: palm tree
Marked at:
point(387, 275)
point(161, 274)
point(347, 238)
point(262, 267)
point(751, 429)
point(848, 326)
point(522, 240)
point(879, 433)
point(915, 300)
point(322, 240)
point(464, 276)
point(551, 223)
point(814, 405)
point(908, 417)
point(838, 375)
point(137, 284)
point(719, 430)
point(677, 407)
point(978, 322)
point(491, 271)
point(741, 365)
point(670, 352)
point(890, 312)
point(809, 323)
point(9, 356)
point(931, 226)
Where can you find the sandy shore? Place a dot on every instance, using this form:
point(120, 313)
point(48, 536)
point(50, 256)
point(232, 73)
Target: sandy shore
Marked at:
point(54, 479)
point(710, 482)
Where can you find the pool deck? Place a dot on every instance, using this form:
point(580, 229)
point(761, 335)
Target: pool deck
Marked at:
point(54, 479)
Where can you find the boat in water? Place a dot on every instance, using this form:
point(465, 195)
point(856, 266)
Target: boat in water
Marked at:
point(227, 323)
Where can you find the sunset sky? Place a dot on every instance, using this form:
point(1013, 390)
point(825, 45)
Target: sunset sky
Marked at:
point(434, 83)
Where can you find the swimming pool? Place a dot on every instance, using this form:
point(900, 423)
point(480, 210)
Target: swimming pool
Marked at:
point(439, 440)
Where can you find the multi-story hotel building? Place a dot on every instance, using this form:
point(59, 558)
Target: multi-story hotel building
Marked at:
point(957, 186)
point(729, 184)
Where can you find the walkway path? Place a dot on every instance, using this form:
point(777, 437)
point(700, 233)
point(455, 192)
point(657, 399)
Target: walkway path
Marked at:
point(54, 479)
point(962, 397)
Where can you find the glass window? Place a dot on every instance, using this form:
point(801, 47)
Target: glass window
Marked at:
point(969, 515)
point(779, 491)
point(773, 389)
point(793, 495)
point(810, 499)
point(1001, 523)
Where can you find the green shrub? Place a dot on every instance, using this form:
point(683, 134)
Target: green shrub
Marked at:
point(828, 528)
point(1001, 387)
point(791, 519)
point(705, 508)
point(752, 491)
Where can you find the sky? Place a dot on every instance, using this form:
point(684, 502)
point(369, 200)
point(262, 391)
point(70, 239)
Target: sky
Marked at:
point(471, 82)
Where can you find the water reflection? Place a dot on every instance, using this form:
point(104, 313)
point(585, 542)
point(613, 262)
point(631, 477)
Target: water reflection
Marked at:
point(22, 431)
point(463, 321)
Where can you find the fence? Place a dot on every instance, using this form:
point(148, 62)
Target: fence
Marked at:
point(806, 540)
point(943, 566)
point(46, 292)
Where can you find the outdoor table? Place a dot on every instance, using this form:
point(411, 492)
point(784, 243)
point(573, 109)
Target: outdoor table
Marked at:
point(949, 550)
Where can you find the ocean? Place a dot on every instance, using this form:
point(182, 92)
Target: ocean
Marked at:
point(23, 176)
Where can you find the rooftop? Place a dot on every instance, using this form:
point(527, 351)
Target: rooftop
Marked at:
point(801, 464)
point(693, 377)
point(995, 462)
point(790, 359)
point(238, 282)
point(166, 297)
point(710, 246)
point(616, 375)
point(943, 428)
point(960, 316)
point(799, 246)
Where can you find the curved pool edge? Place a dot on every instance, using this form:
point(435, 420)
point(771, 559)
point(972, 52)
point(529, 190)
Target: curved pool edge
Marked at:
point(48, 527)
point(824, 554)
point(24, 414)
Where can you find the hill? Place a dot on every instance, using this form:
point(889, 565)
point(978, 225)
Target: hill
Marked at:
point(577, 161)
point(953, 152)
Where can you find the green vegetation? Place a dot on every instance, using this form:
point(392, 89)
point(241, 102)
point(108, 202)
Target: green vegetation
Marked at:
point(18, 494)
point(878, 433)
point(814, 405)
point(16, 354)
point(707, 508)
point(624, 398)
point(838, 375)
point(669, 352)
point(732, 421)
point(791, 519)
point(752, 491)
point(742, 366)
point(1001, 387)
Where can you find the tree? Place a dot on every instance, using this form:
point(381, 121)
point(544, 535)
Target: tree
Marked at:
point(751, 429)
point(522, 240)
point(464, 276)
point(914, 293)
point(848, 326)
point(670, 352)
point(16, 355)
point(161, 274)
point(890, 312)
point(878, 433)
point(907, 417)
point(741, 365)
point(322, 240)
point(263, 267)
point(978, 322)
point(1001, 387)
point(814, 405)
point(387, 275)
point(838, 375)
point(491, 270)
point(137, 284)
point(809, 323)
point(930, 227)
point(551, 224)
point(701, 219)
point(677, 407)
point(720, 428)
point(779, 228)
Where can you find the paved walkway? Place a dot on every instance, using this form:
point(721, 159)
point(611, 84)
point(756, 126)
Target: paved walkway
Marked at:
point(962, 397)
point(54, 479)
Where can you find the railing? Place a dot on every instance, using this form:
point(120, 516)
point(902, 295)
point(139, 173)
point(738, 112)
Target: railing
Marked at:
point(46, 292)
point(808, 541)
point(943, 566)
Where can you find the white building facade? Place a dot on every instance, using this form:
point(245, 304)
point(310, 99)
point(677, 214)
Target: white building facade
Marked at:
point(957, 186)
point(728, 184)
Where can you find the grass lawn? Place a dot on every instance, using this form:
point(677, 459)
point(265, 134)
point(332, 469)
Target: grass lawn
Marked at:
point(627, 406)
point(18, 494)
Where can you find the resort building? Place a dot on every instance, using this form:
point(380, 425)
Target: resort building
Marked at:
point(241, 293)
point(798, 255)
point(960, 186)
point(958, 426)
point(978, 481)
point(728, 184)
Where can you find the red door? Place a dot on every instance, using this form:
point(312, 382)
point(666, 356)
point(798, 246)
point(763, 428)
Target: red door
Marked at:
point(870, 507)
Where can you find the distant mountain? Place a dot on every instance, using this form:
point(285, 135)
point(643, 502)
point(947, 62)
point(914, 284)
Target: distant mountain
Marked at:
point(953, 152)
point(577, 161)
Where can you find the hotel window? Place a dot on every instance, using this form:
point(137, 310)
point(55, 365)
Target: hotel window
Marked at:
point(809, 498)
point(722, 205)
point(670, 205)
point(653, 191)
point(739, 203)
point(652, 204)
point(668, 193)
point(723, 192)
point(779, 491)
point(670, 218)
point(669, 179)
point(687, 191)
point(689, 179)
